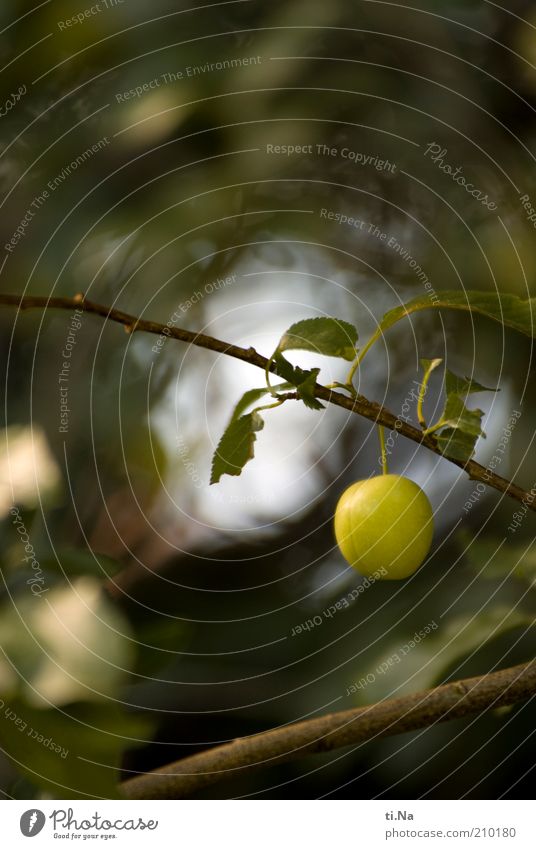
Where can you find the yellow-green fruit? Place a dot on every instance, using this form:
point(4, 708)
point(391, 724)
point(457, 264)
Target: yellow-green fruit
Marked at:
point(385, 522)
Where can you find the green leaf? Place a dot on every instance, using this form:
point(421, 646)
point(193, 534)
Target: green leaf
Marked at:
point(253, 395)
point(292, 374)
point(456, 444)
point(509, 310)
point(236, 446)
point(306, 390)
point(329, 336)
point(457, 415)
point(303, 380)
point(458, 428)
point(463, 385)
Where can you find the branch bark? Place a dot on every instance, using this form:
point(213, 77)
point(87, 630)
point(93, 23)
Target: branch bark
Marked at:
point(394, 716)
point(350, 727)
point(361, 405)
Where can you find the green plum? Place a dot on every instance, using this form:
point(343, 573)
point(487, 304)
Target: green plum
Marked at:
point(384, 522)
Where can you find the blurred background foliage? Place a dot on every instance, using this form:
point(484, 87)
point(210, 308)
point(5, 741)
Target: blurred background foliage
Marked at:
point(166, 625)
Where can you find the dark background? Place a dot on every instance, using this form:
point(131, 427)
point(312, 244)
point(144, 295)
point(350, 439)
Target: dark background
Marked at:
point(169, 607)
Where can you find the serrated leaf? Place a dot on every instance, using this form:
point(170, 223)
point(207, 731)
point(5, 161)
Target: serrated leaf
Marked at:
point(509, 310)
point(287, 371)
point(456, 444)
point(236, 446)
point(458, 428)
point(303, 380)
point(253, 395)
point(294, 375)
point(306, 391)
point(329, 336)
point(463, 385)
point(457, 415)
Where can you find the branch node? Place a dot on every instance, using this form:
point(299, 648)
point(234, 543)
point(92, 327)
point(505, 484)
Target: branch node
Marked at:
point(357, 403)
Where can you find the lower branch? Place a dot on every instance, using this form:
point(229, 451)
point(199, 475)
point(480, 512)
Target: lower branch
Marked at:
point(350, 727)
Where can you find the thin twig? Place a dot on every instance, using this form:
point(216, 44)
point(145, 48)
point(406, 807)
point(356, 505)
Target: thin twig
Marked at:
point(360, 405)
point(451, 701)
point(347, 728)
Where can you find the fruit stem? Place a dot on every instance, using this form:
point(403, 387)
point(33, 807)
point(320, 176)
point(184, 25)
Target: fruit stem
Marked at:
point(423, 389)
point(348, 387)
point(429, 430)
point(358, 360)
point(271, 389)
point(381, 434)
point(281, 400)
point(420, 401)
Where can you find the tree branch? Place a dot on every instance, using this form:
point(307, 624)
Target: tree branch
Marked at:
point(394, 716)
point(360, 405)
point(346, 728)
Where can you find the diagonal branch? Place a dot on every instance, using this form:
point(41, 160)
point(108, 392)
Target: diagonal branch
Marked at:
point(360, 405)
point(394, 716)
point(346, 728)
